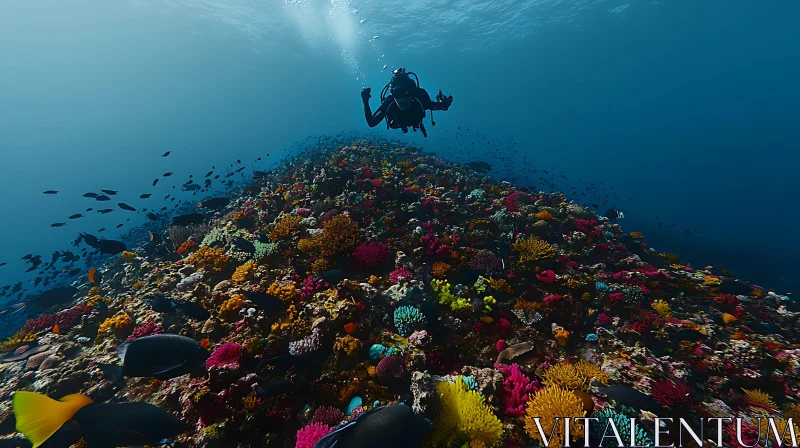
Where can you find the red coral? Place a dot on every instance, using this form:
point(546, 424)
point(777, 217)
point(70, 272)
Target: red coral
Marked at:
point(146, 329)
point(616, 297)
point(584, 225)
point(547, 276)
point(552, 298)
point(65, 319)
point(512, 201)
point(328, 415)
point(503, 327)
point(389, 369)
point(226, 355)
point(672, 394)
point(369, 255)
point(501, 345)
point(395, 275)
point(603, 319)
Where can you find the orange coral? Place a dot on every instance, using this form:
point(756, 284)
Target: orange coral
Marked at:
point(532, 249)
point(286, 227)
point(285, 292)
point(350, 328)
point(120, 325)
point(339, 235)
point(186, 247)
point(206, 257)
point(544, 214)
point(439, 269)
point(231, 306)
point(562, 337)
point(500, 285)
point(636, 235)
point(242, 271)
point(348, 345)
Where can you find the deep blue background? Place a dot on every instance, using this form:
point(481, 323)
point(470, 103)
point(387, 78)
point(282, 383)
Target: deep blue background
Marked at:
point(688, 108)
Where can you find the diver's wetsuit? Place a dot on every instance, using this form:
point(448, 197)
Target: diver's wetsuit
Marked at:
point(404, 119)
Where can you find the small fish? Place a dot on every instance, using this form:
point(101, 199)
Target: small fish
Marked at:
point(160, 356)
point(209, 173)
point(155, 182)
point(190, 187)
point(215, 203)
point(58, 224)
point(152, 216)
point(3, 263)
point(76, 216)
point(144, 196)
point(631, 397)
point(167, 174)
point(265, 301)
point(90, 195)
point(166, 154)
point(120, 225)
point(102, 197)
point(154, 237)
point(125, 206)
point(188, 219)
point(94, 276)
point(105, 210)
point(110, 192)
point(89, 209)
point(50, 192)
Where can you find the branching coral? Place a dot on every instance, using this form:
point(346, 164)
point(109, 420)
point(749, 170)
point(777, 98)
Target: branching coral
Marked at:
point(226, 355)
point(672, 394)
point(551, 405)
point(308, 436)
point(517, 388)
point(339, 235)
point(242, 271)
point(464, 418)
point(662, 309)
point(285, 228)
point(442, 290)
point(532, 249)
point(369, 255)
point(623, 426)
point(408, 319)
point(757, 396)
point(574, 376)
point(439, 269)
point(206, 257)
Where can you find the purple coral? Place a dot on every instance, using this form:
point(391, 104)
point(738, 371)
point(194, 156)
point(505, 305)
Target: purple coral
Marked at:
point(517, 388)
point(369, 255)
point(312, 285)
point(226, 355)
point(485, 261)
point(398, 274)
point(389, 369)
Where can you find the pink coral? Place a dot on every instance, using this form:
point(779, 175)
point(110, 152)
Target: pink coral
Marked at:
point(503, 327)
point(501, 345)
point(584, 225)
point(328, 415)
point(552, 298)
point(513, 200)
point(146, 329)
point(547, 276)
point(311, 285)
point(389, 369)
point(226, 355)
point(615, 297)
point(369, 255)
point(603, 319)
point(672, 394)
point(395, 275)
point(517, 388)
point(308, 436)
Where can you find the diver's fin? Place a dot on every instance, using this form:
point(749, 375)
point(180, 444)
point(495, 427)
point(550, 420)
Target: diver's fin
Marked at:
point(113, 371)
point(39, 416)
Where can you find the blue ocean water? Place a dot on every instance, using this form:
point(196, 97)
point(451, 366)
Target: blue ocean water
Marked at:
point(687, 109)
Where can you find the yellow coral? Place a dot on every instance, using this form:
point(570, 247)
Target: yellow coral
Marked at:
point(759, 397)
point(285, 292)
point(574, 376)
point(285, 228)
point(286, 322)
point(500, 285)
point(442, 290)
point(464, 418)
point(16, 340)
point(307, 245)
point(128, 256)
point(711, 281)
point(551, 405)
point(532, 249)
point(562, 337)
point(590, 371)
point(544, 214)
point(242, 271)
point(339, 235)
point(207, 257)
point(662, 308)
point(234, 304)
point(728, 318)
point(439, 269)
point(120, 325)
point(348, 345)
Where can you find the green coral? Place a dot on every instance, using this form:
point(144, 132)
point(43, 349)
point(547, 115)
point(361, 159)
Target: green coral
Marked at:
point(211, 431)
point(264, 249)
point(442, 290)
point(489, 302)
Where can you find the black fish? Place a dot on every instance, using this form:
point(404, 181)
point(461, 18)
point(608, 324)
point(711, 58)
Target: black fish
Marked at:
point(188, 219)
point(160, 356)
point(90, 195)
point(102, 197)
point(154, 237)
point(144, 196)
point(151, 216)
point(58, 224)
point(54, 297)
point(125, 206)
point(631, 397)
point(119, 225)
point(190, 187)
point(265, 301)
point(392, 426)
point(155, 182)
point(275, 388)
point(333, 276)
point(215, 203)
point(689, 335)
point(481, 167)
point(89, 209)
point(76, 216)
point(112, 247)
point(3, 263)
point(168, 174)
point(110, 192)
point(244, 245)
point(159, 303)
point(285, 362)
point(27, 257)
point(166, 154)
point(50, 192)
point(105, 210)
point(209, 173)
point(192, 310)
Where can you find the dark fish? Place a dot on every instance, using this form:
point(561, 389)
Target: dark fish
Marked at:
point(50, 192)
point(76, 216)
point(631, 397)
point(125, 206)
point(161, 356)
point(481, 167)
point(215, 203)
point(275, 388)
point(155, 182)
point(244, 245)
point(166, 154)
point(152, 216)
point(105, 210)
point(50, 423)
point(168, 174)
point(3, 263)
point(209, 173)
point(54, 297)
point(89, 209)
point(102, 197)
point(689, 335)
point(101, 230)
point(144, 196)
point(190, 187)
point(27, 257)
point(110, 192)
point(333, 276)
point(154, 237)
point(58, 224)
point(94, 276)
point(36, 281)
point(90, 195)
point(188, 219)
point(285, 362)
point(265, 301)
point(392, 426)
point(112, 247)
point(192, 310)
point(159, 303)
point(74, 272)
point(120, 225)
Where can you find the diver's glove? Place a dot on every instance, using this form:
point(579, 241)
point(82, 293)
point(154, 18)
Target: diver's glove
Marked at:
point(365, 94)
point(447, 100)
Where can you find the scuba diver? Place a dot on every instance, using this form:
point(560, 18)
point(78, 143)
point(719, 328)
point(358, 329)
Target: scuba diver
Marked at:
point(406, 104)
